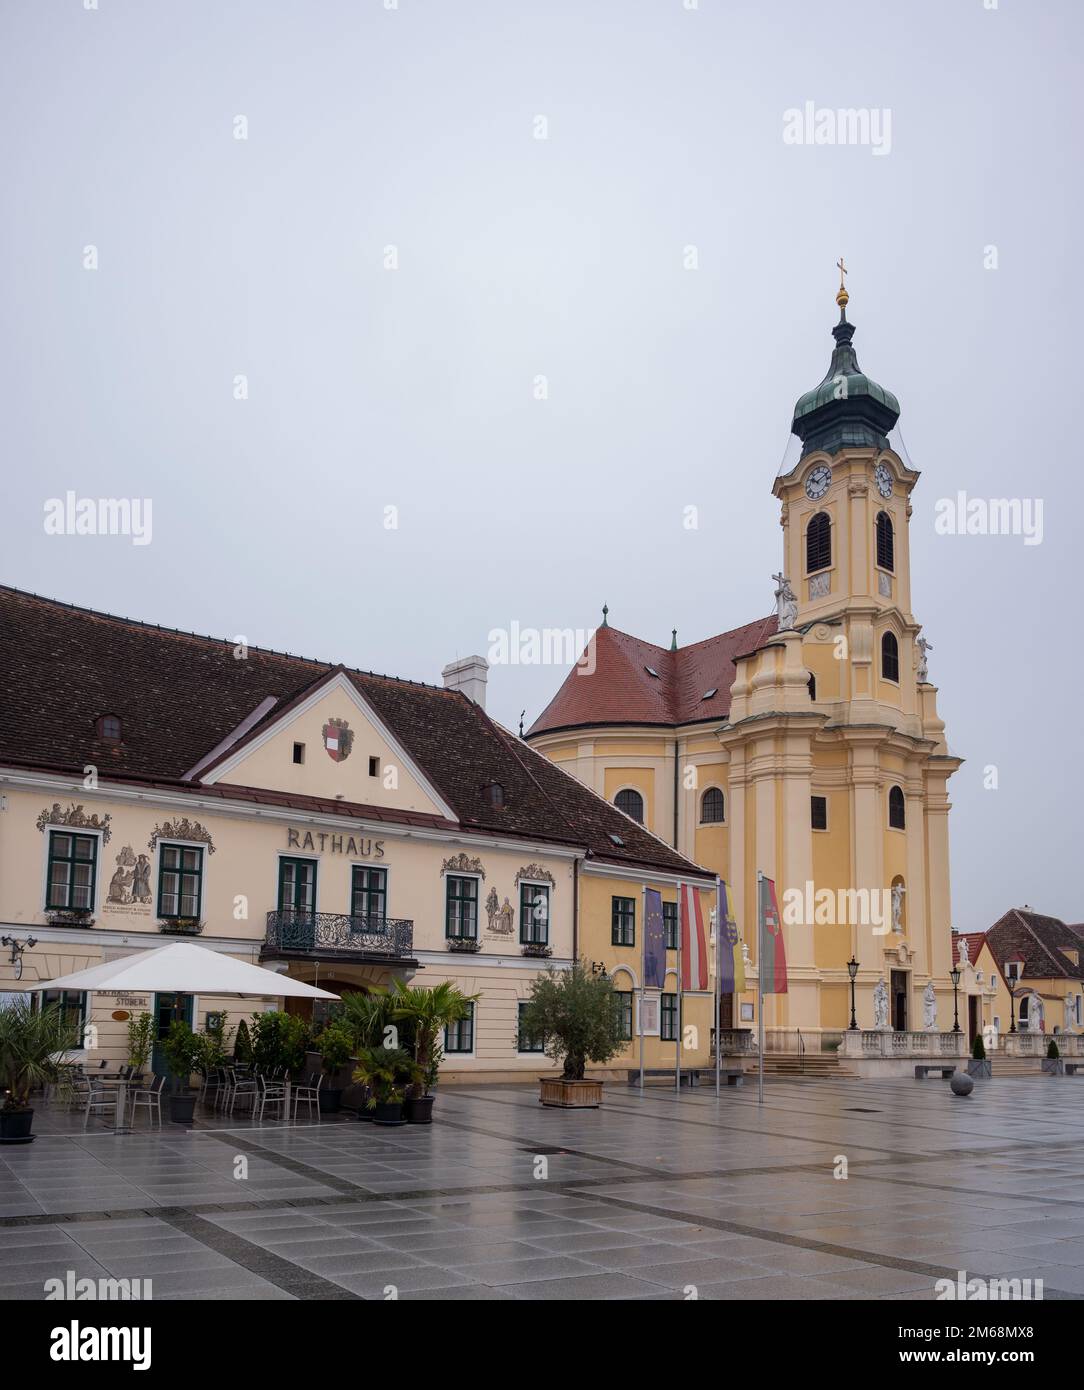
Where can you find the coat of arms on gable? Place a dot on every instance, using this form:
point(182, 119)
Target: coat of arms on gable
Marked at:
point(182, 829)
point(338, 740)
point(75, 816)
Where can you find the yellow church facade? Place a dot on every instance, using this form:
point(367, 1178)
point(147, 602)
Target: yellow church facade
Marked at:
point(805, 746)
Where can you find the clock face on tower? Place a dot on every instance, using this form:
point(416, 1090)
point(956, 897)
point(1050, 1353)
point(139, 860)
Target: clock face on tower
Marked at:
point(884, 480)
point(818, 482)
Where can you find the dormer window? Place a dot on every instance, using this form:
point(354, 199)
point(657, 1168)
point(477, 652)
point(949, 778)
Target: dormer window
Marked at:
point(616, 840)
point(652, 672)
point(109, 728)
point(710, 694)
point(494, 796)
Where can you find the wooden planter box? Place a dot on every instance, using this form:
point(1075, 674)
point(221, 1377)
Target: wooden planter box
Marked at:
point(570, 1095)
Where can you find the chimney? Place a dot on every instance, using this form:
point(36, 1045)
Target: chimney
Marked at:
point(468, 674)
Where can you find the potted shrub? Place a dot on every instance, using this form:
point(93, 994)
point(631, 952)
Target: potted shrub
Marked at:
point(279, 1039)
point(979, 1066)
point(140, 1040)
point(242, 1044)
point(574, 1010)
point(32, 1042)
point(427, 1012)
point(1052, 1064)
point(212, 1048)
point(386, 1072)
point(181, 1050)
point(336, 1047)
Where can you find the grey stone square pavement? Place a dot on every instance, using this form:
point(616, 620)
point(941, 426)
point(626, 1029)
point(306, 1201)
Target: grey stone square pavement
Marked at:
point(653, 1197)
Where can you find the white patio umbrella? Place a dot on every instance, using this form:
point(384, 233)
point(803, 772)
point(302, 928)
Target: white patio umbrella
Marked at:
point(182, 968)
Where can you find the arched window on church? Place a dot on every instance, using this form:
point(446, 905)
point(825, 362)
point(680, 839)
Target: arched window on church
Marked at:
point(886, 543)
point(631, 802)
point(897, 816)
point(818, 543)
point(712, 807)
point(890, 657)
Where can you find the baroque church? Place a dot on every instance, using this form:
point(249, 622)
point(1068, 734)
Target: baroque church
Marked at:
point(805, 745)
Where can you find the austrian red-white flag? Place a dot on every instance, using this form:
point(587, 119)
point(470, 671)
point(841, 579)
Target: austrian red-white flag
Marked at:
point(694, 941)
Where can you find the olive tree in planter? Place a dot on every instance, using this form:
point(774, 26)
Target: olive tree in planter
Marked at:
point(181, 1050)
point(30, 1041)
point(427, 1011)
point(979, 1066)
point(574, 1012)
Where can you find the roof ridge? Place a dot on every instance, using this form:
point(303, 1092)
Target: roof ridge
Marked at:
point(326, 665)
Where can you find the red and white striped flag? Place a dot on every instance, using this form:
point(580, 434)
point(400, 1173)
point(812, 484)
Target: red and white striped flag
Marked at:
point(694, 941)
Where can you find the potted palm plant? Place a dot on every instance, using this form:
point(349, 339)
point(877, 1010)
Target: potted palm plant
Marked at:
point(181, 1050)
point(574, 1011)
point(32, 1043)
point(427, 1011)
point(365, 1015)
point(386, 1072)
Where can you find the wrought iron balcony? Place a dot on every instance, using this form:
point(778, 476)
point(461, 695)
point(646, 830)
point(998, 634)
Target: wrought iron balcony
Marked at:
point(338, 934)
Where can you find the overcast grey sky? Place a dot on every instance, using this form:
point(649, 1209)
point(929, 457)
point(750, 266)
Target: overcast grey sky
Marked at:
point(415, 127)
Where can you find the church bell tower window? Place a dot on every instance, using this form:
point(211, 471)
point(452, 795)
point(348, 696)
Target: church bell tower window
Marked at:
point(886, 544)
point(890, 657)
point(818, 543)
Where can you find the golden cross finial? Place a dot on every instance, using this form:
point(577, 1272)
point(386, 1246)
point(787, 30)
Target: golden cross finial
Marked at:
point(842, 296)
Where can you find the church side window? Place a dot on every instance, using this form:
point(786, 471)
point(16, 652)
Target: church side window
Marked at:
point(886, 548)
point(712, 807)
point(631, 802)
point(818, 543)
point(897, 815)
point(890, 657)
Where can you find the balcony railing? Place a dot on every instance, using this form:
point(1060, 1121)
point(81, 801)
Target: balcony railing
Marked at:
point(337, 933)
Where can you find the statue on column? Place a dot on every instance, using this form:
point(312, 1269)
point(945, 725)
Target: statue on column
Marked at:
point(963, 952)
point(880, 1004)
point(929, 1008)
point(898, 891)
point(786, 602)
point(923, 647)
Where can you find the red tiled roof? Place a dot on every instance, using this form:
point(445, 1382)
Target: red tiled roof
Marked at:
point(621, 689)
point(1038, 940)
point(180, 695)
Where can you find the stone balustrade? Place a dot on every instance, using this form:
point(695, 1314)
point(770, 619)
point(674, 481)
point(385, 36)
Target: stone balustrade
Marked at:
point(887, 1042)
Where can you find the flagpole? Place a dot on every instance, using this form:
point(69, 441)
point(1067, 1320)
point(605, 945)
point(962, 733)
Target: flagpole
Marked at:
point(643, 970)
point(680, 934)
point(718, 974)
point(760, 989)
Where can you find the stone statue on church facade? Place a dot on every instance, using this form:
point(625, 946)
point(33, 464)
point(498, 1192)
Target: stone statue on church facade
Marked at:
point(898, 891)
point(923, 671)
point(786, 602)
point(929, 1008)
point(880, 1004)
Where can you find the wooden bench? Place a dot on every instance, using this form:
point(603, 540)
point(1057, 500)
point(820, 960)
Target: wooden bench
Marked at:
point(923, 1069)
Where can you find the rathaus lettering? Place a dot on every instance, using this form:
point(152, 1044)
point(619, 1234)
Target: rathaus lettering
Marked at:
point(340, 844)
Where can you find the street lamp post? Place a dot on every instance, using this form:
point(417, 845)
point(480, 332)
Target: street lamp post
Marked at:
point(852, 971)
point(1011, 971)
point(954, 976)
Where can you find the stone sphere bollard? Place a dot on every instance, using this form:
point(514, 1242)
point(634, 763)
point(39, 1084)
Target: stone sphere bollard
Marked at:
point(961, 1084)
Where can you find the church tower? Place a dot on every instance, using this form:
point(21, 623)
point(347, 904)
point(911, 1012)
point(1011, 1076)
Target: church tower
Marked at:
point(834, 738)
